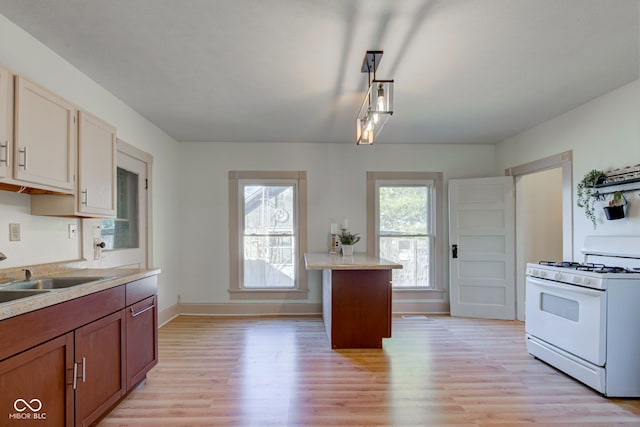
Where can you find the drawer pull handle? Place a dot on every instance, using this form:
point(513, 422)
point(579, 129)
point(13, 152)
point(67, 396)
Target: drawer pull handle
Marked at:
point(138, 313)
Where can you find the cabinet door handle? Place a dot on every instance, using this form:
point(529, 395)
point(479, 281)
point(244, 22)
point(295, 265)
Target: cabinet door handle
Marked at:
point(22, 151)
point(75, 372)
point(4, 147)
point(85, 197)
point(75, 375)
point(138, 313)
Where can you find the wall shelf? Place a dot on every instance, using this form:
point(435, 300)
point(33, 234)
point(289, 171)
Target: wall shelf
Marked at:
point(625, 180)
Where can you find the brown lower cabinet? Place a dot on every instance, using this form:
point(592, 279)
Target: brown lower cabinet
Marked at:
point(142, 339)
point(99, 377)
point(37, 385)
point(73, 378)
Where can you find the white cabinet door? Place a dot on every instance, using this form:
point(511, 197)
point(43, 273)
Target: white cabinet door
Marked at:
point(482, 253)
point(45, 137)
point(6, 123)
point(96, 166)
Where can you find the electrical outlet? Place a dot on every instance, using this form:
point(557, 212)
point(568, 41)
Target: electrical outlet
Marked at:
point(73, 231)
point(14, 233)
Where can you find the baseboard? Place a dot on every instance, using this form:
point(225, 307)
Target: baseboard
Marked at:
point(168, 314)
point(250, 309)
point(285, 309)
point(420, 307)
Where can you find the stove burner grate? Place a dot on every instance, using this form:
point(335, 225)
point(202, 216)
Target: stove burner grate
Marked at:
point(589, 266)
point(566, 264)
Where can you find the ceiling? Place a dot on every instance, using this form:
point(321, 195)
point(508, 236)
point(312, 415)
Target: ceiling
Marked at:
point(465, 71)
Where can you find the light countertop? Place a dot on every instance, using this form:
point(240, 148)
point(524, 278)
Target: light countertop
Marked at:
point(325, 261)
point(116, 277)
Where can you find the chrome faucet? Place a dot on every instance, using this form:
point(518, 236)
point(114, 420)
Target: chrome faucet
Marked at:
point(2, 256)
point(27, 273)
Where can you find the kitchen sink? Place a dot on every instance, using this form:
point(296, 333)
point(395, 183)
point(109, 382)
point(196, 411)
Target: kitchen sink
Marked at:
point(50, 283)
point(10, 295)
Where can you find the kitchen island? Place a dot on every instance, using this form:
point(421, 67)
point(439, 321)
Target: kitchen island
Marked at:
point(356, 298)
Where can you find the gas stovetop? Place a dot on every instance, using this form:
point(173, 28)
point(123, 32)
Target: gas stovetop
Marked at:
point(590, 266)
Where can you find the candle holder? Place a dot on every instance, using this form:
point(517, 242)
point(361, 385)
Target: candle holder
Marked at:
point(334, 243)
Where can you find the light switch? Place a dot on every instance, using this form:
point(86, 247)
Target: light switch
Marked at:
point(14, 233)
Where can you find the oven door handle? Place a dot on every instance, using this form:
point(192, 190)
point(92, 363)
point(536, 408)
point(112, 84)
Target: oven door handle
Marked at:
point(564, 287)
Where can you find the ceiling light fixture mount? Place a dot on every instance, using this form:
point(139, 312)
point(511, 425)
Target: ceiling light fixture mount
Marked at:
point(377, 105)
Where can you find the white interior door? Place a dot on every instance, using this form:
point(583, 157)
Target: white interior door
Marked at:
point(482, 251)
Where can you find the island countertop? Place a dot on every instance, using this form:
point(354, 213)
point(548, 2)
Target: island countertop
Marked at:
point(324, 261)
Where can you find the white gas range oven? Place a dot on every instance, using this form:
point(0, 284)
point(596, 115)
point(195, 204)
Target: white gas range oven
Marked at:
point(584, 318)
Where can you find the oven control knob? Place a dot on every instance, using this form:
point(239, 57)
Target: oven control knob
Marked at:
point(557, 276)
point(577, 279)
point(586, 281)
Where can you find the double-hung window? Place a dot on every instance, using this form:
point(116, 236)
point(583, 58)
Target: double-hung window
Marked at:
point(268, 217)
point(405, 220)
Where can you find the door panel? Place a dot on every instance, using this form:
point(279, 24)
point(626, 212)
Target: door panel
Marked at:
point(481, 232)
point(36, 385)
point(99, 354)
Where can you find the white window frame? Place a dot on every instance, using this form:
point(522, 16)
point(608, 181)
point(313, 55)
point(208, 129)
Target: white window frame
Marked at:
point(237, 181)
point(431, 179)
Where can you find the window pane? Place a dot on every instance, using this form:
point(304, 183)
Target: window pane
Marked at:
point(122, 232)
point(403, 210)
point(269, 262)
point(414, 255)
point(269, 236)
point(403, 219)
point(268, 209)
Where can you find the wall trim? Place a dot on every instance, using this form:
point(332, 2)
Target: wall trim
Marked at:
point(250, 309)
point(284, 309)
point(420, 307)
point(168, 314)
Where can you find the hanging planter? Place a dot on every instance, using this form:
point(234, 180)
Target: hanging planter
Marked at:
point(615, 210)
point(588, 195)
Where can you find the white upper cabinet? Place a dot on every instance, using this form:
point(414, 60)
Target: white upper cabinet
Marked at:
point(6, 123)
point(95, 195)
point(96, 166)
point(44, 137)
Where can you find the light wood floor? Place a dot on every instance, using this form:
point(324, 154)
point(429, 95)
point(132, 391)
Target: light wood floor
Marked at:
point(434, 371)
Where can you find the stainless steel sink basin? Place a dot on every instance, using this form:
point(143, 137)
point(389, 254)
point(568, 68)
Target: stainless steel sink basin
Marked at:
point(10, 295)
point(50, 283)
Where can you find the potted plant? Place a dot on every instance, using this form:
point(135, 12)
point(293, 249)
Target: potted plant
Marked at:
point(615, 210)
point(588, 195)
point(347, 240)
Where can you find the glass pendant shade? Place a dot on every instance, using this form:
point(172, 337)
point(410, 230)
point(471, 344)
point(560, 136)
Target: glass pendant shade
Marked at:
point(376, 109)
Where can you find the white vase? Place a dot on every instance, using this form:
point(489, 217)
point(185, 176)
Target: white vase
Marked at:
point(347, 250)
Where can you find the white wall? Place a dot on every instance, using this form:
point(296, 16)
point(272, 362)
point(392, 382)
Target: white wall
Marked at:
point(336, 179)
point(603, 134)
point(45, 239)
